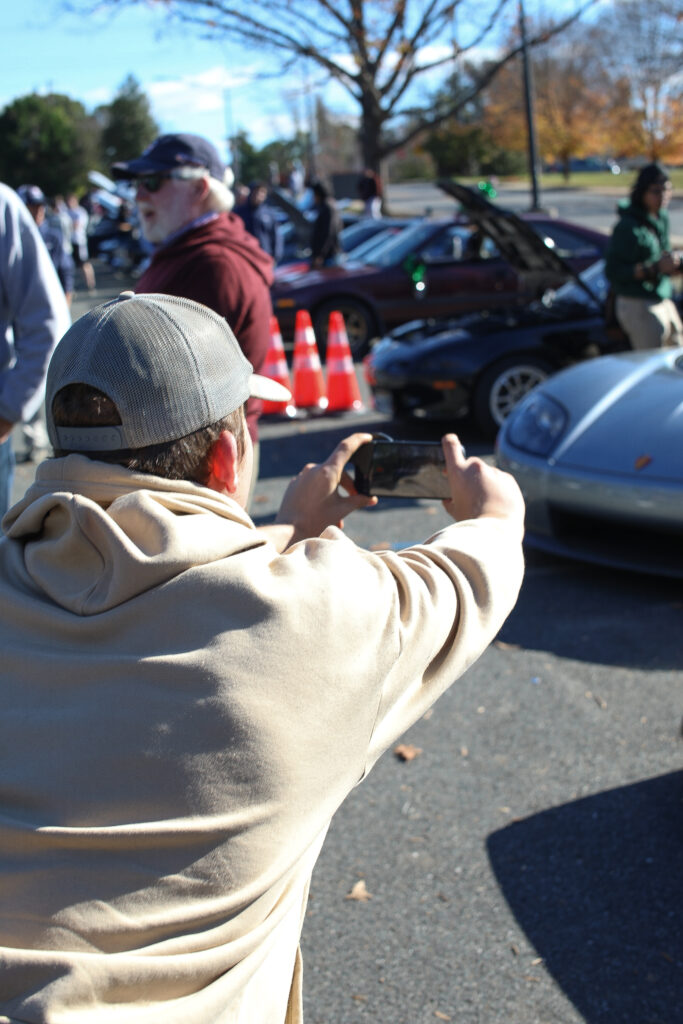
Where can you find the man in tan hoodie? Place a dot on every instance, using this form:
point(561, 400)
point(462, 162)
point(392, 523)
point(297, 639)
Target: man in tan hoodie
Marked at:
point(187, 699)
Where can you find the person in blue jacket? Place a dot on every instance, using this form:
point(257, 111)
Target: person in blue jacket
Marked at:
point(260, 221)
point(52, 234)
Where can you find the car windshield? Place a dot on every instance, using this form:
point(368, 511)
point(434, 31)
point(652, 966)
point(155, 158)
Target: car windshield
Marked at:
point(593, 277)
point(354, 235)
point(360, 253)
point(395, 249)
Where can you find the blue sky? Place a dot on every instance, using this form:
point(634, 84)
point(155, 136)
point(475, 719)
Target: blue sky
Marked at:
point(193, 84)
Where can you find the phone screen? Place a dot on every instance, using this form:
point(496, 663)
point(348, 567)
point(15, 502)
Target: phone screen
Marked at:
point(401, 469)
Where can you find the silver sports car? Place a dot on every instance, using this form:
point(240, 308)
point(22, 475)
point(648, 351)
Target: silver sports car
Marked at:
point(598, 453)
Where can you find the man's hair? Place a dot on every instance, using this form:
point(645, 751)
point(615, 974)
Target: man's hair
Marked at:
point(650, 175)
point(187, 458)
point(320, 190)
point(220, 198)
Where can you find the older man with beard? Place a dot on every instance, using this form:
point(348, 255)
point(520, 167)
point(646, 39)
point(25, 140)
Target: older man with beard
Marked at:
point(203, 251)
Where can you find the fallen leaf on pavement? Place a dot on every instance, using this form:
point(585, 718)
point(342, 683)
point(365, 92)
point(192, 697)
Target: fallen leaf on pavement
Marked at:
point(407, 752)
point(359, 892)
point(442, 1016)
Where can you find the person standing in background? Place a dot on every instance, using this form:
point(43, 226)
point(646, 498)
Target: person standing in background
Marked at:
point(370, 192)
point(639, 264)
point(260, 221)
point(52, 234)
point(79, 240)
point(326, 227)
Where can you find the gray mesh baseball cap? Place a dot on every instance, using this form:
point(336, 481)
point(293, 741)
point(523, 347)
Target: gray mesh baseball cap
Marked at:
point(171, 367)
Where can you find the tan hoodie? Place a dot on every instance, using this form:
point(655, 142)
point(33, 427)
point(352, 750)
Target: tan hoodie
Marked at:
point(183, 711)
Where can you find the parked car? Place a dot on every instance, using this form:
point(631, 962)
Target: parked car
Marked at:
point(439, 268)
point(597, 453)
point(356, 240)
point(484, 363)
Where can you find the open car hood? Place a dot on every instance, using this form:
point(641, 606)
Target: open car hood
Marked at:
point(515, 238)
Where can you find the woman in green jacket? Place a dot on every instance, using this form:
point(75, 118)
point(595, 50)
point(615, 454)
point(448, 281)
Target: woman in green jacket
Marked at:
point(640, 264)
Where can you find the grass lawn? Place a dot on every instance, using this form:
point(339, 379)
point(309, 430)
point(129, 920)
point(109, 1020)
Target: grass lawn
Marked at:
point(600, 179)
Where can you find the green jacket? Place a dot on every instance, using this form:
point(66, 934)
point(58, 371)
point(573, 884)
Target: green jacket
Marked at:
point(638, 237)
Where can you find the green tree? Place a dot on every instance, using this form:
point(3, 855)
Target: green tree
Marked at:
point(50, 141)
point(127, 123)
point(247, 161)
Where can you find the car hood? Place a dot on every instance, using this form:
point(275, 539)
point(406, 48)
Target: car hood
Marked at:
point(311, 278)
point(482, 322)
point(626, 415)
point(297, 216)
point(514, 238)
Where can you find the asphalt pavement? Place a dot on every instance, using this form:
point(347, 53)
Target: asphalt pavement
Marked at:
point(593, 208)
point(525, 866)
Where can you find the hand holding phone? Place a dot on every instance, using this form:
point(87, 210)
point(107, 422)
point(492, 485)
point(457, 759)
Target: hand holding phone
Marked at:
point(469, 487)
point(401, 469)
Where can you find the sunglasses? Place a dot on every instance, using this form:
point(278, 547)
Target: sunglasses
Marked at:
point(153, 182)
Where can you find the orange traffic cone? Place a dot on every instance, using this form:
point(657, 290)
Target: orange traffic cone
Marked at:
point(309, 384)
point(342, 387)
point(275, 367)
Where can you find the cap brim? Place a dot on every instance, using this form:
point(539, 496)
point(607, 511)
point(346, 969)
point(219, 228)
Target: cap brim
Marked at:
point(267, 389)
point(142, 165)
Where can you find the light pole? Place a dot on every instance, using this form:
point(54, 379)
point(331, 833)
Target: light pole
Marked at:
point(529, 107)
point(311, 135)
point(230, 137)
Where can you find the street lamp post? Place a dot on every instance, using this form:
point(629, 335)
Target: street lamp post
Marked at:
point(529, 107)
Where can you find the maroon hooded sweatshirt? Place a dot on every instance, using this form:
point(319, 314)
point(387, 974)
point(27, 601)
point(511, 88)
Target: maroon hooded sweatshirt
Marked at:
point(221, 265)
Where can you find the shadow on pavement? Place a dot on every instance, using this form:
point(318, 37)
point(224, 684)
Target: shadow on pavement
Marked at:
point(599, 616)
point(597, 887)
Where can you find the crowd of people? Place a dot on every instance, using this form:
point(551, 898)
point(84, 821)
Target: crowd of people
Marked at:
point(187, 698)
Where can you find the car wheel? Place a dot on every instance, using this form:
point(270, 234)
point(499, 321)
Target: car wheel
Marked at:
point(359, 322)
point(502, 386)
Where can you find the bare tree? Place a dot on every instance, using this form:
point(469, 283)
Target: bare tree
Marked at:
point(377, 50)
point(647, 39)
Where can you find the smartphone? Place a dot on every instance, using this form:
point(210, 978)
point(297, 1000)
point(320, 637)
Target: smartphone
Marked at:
point(401, 469)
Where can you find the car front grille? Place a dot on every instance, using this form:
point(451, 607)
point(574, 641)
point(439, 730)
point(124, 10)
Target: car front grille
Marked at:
point(650, 547)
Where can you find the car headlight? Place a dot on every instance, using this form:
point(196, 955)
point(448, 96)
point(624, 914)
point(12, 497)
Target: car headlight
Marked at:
point(536, 425)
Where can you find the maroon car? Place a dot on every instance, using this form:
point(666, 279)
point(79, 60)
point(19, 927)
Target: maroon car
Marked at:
point(481, 259)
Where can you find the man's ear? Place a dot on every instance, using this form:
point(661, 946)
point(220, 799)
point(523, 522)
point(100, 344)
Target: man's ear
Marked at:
point(223, 464)
point(201, 188)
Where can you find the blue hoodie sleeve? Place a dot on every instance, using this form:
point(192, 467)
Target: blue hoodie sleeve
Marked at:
point(33, 311)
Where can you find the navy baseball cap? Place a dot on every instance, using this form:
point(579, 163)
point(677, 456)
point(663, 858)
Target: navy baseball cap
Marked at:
point(169, 152)
point(32, 195)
